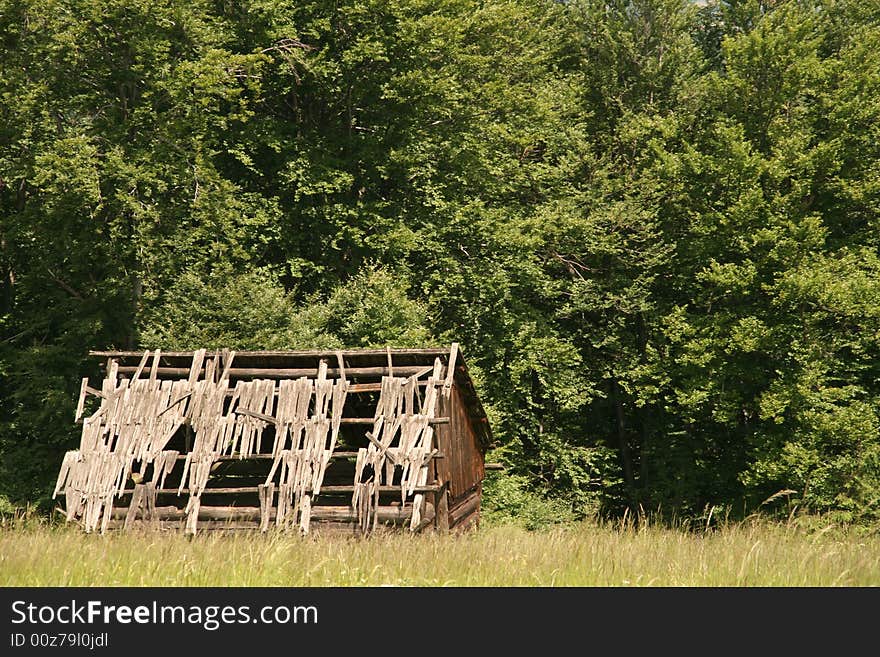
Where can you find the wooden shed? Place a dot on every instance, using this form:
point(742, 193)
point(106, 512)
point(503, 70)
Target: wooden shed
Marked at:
point(327, 440)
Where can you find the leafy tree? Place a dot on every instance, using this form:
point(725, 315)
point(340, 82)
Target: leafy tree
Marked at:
point(651, 225)
point(252, 310)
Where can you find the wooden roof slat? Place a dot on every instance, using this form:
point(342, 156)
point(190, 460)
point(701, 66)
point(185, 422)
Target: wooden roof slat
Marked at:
point(367, 363)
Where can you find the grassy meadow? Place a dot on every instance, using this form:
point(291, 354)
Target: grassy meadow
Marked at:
point(758, 553)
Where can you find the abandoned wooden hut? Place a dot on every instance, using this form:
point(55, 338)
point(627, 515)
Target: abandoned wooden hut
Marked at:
point(308, 440)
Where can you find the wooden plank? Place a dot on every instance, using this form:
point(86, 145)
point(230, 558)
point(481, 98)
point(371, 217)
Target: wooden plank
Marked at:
point(450, 368)
point(97, 393)
point(80, 405)
point(228, 357)
point(212, 364)
point(267, 493)
point(191, 515)
point(367, 387)
point(154, 370)
point(432, 351)
point(329, 527)
point(259, 416)
point(386, 513)
point(135, 504)
point(464, 507)
point(377, 387)
point(382, 489)
point(194, 369)
point(283, 373)
point(345, 420)
point(149, 506)
point(141, 365)
point(464, 466)
point(443, 436)
point(441, 504)
point(472, 519)
point(269, 457)
point(428, 516)
point(382, 449)
point(370, 420)
point(238, 490)
point(175, 403)
point(341, 363)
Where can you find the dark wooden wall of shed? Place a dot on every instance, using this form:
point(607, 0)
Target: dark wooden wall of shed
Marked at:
point(463, 463)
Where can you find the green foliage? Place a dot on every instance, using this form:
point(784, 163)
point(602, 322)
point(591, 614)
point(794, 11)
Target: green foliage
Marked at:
point(7, 508)
point(248, 310)
point(373, 310)
point(511, 500)
point(652, 226)
point(252, 310)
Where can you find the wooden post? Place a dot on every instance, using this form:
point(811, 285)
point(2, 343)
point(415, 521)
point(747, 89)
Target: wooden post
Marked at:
point(136, 500)
point(450, 369)
point(441, 509)
point(266, 492)
point(149, 496)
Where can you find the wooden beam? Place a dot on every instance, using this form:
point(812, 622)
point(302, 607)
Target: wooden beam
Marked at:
point(369, 420)
point(386, 513)
point(377, 387)
point(239, 490)
point(92, 391)
point(434, 351)
point(134, 505)
point(428, 517)
point(345, 420)
point(259, 416)
point(284, 373)
point(441, 504)
point(268, 457)
point(353, 387)
point(463, 523)
point(464, 507)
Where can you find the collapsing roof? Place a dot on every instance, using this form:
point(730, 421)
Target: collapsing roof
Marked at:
point(202, 420)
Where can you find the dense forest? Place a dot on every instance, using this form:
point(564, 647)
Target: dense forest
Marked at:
point(651, 224)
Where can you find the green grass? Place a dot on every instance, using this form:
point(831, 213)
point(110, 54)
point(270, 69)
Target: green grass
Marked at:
point(745, 554)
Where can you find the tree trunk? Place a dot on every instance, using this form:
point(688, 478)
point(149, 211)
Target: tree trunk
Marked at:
point(625, 455)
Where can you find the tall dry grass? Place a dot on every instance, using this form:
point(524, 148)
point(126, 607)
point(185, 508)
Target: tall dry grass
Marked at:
point(588, 554)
